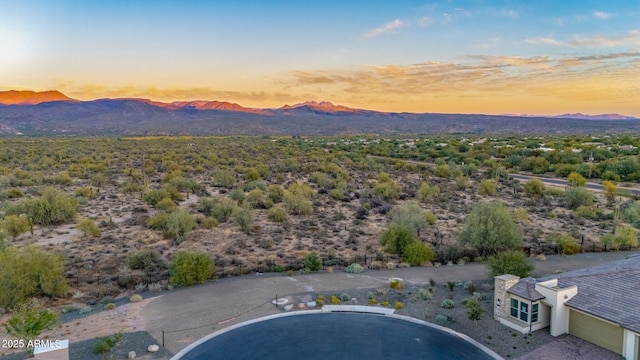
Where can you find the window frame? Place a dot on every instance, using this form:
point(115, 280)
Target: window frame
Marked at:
point(525, 311)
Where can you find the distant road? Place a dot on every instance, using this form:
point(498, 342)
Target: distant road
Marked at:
point(523, 178)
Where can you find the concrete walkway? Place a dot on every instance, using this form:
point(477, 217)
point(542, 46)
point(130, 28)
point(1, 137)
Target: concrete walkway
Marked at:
point(209, 307)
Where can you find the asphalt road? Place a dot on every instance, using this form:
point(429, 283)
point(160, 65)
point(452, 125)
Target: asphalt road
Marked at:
point(562, 182)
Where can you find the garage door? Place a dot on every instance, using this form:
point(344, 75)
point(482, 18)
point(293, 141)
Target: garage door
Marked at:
point(596, 331)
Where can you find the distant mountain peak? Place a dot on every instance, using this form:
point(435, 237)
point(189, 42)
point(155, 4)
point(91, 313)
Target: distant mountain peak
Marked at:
point(594, 117)
point(28, 97)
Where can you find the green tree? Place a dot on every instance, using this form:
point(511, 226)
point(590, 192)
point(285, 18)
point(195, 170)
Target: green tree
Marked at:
point(577, 196)
point(417, 253)
point(29, 322)
point(14, 225)
point(490, 228)
point(313, 261)
point(513, 262)
point(30, 271)
point(410, 216)
point(188, 268)
point(88, 228)
point(535, 188)
point(632, 214)
point(567, 244)
point(396, 238)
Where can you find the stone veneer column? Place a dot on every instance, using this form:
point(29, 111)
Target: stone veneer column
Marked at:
point(502, 284)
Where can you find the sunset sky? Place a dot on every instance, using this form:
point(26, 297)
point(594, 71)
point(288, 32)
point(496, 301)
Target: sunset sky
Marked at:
point(494, 57)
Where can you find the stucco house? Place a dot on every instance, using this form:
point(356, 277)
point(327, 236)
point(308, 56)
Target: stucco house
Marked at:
point(600, 304)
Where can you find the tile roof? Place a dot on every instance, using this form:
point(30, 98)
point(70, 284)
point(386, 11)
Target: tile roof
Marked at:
point(526, 288)
point(610, 291)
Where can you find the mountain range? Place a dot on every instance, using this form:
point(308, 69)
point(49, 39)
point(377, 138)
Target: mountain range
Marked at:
point(53, 113)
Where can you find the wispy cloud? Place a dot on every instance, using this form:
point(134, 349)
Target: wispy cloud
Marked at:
point(601, 15)
point(387, 27)
point(479, 74)
point(425, 21)
point(89, 91)
point(631, 38)
point(509, 13)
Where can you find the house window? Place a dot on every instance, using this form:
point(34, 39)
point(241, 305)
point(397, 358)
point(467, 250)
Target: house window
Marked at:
point(514, 308)
point(524, 311)
point(520, 310)
point(534, 313)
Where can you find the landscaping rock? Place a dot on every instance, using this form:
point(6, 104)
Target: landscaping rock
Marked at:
point(153, 348)
point(132, 355)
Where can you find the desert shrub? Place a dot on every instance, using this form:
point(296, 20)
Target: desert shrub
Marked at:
point(387, 190)
point(512, 262)
point(521, 214)
point(106, 299)
point(577, 196)
point(106, 345)
point(223, 210)
point(417, 253)
point(53, 207)
point(85, 191)
point(297, 203)
point(188, 268)
point(354, 268)
point(278, 213)
point(158, 221)
point(398, 305)
point(567, 244)
point(153, 197)
point(14, 225)
point(624, 236)
point(470, 286)
point(166, 204)
point(208, 223)
point(442, 171)
point(424, 294)
point(632, 214)
point(396, 284)
point(148, 261)
point(224, 178)
point(588, 212)
point(345, 297)
point(576, 179)
point(179, 224)
point(396, 238)
point(442, 318)
point(13, 193)
point(313, 261)
point(427, 192)
point(28, 272)
point(275, 193)
point(490, 228)
point(305, 271)
point(85, 310)
point(109, 306)
point(244, 218)
point(136, 298)
point(277, 268)
point(335, 300)
point(474, 309)
point(488, 187)
point(88, 227)
point(535, 188)
point(373, 301)
point(447, 304)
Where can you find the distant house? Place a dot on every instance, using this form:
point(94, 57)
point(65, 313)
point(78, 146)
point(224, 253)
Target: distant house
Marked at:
point(599, 304)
